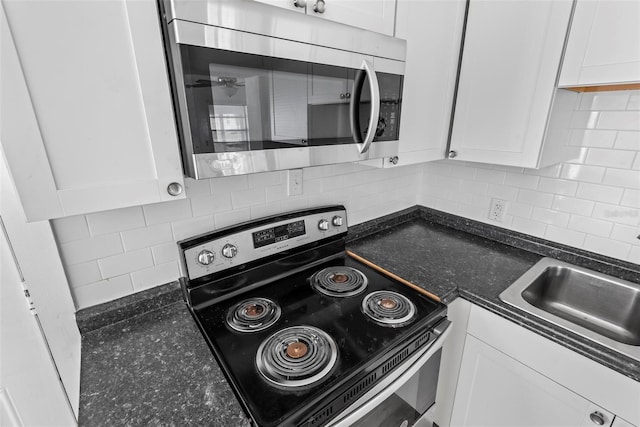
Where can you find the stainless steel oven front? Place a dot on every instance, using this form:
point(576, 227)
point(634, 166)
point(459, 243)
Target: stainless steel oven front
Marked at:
point(404, 398)
point(258, 88)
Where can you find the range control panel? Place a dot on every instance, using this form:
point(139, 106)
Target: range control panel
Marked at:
point(261, 241)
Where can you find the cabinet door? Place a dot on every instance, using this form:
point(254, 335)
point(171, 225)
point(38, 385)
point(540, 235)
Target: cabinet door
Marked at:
point(87, 115)
point(494, 389)
point(295, 5)
point(372, 15)
point(604, 44)
point(433, 30)
point(510, 63)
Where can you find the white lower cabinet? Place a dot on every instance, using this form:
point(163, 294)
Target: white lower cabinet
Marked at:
point(496, 390)
point(510, 376)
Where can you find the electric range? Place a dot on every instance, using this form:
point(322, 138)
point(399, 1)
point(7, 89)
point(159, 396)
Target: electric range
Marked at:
point(301, 329)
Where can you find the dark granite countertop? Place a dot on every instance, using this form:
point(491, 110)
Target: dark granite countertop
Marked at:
point(155, 368)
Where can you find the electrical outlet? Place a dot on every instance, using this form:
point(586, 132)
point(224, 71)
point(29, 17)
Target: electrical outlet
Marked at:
point(294, 182)
point(496, 210)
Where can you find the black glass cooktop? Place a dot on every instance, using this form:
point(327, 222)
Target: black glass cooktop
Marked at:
point(359, 340)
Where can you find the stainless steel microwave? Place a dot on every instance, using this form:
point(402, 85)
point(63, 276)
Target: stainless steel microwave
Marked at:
point(258, 88)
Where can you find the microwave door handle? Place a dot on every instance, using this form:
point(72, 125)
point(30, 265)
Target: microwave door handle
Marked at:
point(354, 106)
point(392, 383)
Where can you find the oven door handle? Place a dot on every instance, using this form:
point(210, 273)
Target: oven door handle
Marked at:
point(391, 383)
point(354, 106)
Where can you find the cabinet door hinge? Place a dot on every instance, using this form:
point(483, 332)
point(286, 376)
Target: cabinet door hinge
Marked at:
point(30, 305)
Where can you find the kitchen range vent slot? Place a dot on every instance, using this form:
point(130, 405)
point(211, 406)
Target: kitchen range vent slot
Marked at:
point(395, 361)
point(319, 419)
point(421, 340)
point(359, 387)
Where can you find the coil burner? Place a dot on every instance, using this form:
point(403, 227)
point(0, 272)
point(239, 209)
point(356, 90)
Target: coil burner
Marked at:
point(388, 308)
point(296, 356)
point(253, 315)
point(339, 281)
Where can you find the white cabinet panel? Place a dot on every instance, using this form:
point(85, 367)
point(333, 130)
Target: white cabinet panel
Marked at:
point(604, 44)
point(509, 68)
point(499, 391)
point(433, 30)
point(96, 123)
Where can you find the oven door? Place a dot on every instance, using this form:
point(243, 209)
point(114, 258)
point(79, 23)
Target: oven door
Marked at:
point(405, 397)
point(249, 103)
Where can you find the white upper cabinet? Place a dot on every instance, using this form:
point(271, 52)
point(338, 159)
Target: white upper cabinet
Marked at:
point(433, 30)
point(507, 83)
point(373, 15)
point(604, 44)
point(87, 116)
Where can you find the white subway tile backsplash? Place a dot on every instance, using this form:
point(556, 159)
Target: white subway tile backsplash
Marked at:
point(607, 247)
point(246, 198)
point(572, 205)
point(593, 138)
point(622, 178)
point(70, 228)
point(229, 184)
point(118, 265)
point(626, 234)
point(590, 225)
point(591, 202)
point(224, 219)
point(628, 140)
point(631, 198)
point(619, 120)
point(102, 291)
point(557, 186)
point(98, 247)
point(503, 191)
point(549, 216)
point(617, 214)
point(519, 209)
point(604, 101)
point(565, 236)
point(204, 205)
point(115, 220)
point(491, 176)
point(196, 187)
point(192, 226)
point(610, 158)
point(521, 180)
point(582, 173)
point(83, 274)
point(146, 237)
point(155, 276)
point(536, 198)
point(261, 180)
point(599, 193)
point(164, 253)
point(158, 213)
point(527, 226)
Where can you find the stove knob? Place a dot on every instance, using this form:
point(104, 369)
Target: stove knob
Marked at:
point(229, 250)
point(323, 225)
point(205, 257)
point(337, 221)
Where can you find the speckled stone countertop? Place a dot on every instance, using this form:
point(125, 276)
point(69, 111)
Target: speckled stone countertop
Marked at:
point(144, 361)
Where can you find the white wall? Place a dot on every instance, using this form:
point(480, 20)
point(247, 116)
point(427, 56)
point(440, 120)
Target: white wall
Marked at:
point(592, 202)
point(108, 255)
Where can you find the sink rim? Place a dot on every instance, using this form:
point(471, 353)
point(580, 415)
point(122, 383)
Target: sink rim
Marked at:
point(513, 296)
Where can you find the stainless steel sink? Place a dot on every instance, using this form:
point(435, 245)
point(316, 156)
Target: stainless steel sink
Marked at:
point(597, 306)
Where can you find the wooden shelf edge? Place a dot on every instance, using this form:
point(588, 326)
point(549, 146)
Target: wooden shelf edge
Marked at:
point(604, 88)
